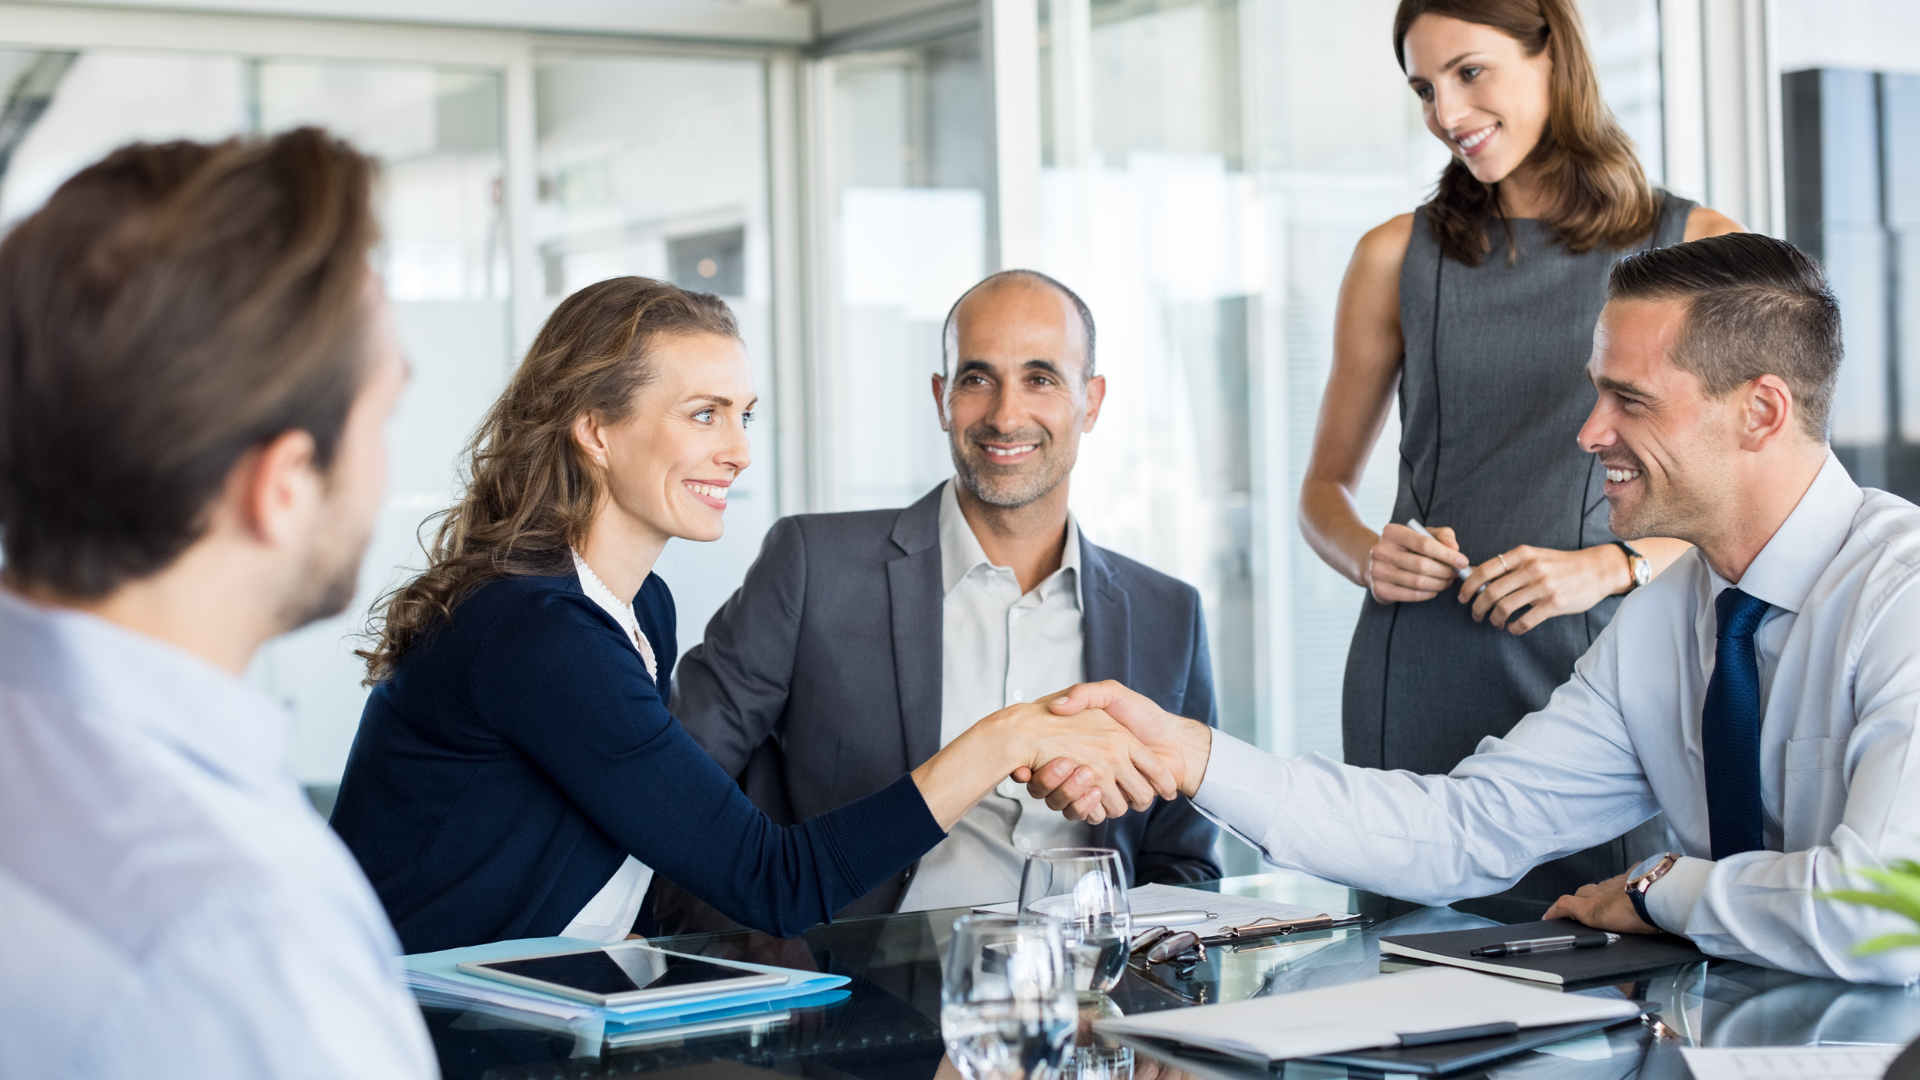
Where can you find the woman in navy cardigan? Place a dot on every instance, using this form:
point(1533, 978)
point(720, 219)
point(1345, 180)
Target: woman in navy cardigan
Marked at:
point(516, 772)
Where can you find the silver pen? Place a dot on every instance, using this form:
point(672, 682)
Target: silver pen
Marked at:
point(1179, 918)
point(1598, 939)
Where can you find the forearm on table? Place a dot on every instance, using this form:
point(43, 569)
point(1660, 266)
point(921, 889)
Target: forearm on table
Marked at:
point(1767, 908)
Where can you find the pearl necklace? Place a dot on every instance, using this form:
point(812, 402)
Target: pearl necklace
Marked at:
point(598, 592)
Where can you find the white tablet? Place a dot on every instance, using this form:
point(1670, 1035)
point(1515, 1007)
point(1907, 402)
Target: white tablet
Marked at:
point(623, 974)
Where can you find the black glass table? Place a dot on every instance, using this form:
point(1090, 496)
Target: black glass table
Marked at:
point(888, 1028)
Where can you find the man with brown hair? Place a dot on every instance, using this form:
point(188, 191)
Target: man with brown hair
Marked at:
point(196, 364)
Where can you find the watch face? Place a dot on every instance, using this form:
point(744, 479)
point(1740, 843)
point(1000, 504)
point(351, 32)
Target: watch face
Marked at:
point(1646, 866)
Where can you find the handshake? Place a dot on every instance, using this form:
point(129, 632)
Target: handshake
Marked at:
point(1095, 750)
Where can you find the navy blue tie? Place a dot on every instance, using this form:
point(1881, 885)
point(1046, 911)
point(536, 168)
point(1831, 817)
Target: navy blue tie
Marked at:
point(1730, 729)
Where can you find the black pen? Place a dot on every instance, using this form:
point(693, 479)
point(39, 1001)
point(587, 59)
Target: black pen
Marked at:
point(1599, 939)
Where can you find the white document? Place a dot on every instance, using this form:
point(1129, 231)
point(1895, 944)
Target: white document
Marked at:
point(1148, 900)
point(1789, 1062)
point(1366, 1014)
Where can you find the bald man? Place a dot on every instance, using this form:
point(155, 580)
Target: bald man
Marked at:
point(861, 643)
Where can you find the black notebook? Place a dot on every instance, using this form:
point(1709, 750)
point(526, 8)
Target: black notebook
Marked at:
point(1633, 953)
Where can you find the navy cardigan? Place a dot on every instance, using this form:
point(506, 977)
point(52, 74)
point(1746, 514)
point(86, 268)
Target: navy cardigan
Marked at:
point(520, 752)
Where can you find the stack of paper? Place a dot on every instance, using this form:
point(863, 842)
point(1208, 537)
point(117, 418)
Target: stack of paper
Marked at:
point(435, 980)
point(1391, 1010)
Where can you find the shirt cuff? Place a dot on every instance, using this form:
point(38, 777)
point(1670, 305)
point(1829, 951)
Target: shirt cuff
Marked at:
point(1240, 788)
point(1671, 900)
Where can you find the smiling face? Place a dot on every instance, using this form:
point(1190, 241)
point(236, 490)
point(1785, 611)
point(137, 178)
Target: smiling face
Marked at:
point(1666, 445)
point(1482, 95)
point(1018, 399)
point(671, 462)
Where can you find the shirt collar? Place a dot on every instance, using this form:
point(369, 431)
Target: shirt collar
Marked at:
point(1805, 544)
point(116, 677)
point(960, 550)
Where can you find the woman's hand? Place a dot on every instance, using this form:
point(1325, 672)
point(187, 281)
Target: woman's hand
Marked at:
point(1406, 566)
point(1545, 582)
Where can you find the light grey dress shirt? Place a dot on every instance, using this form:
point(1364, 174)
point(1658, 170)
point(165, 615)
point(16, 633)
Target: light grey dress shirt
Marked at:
point(1839, 659)
point(998, 648)
point(170, 904)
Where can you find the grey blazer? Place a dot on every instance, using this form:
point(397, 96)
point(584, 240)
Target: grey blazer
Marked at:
point(819, 680)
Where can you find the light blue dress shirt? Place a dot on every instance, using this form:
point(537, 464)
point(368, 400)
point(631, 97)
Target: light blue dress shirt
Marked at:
point(1839, 658)
point(170, 905)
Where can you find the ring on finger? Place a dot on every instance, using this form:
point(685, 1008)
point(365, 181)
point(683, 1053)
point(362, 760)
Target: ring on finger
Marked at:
point(1504, 568)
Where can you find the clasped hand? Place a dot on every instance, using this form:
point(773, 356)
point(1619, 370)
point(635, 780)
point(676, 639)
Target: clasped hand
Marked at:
point(1098, 766)
point(1515, 590)
point(1180, 746)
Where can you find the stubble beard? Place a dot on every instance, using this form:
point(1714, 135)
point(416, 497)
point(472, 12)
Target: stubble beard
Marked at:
point(1009, 487)
point(1671, 511)
point(327, 585)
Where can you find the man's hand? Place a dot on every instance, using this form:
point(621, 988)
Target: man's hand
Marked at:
point(1110, 758)
point(1183, 744)
point(1102, 769)
point(1605, 906)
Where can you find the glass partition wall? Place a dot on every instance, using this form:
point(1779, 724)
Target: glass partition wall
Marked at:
point(437, 132)
point(902, 139)
point(641, 163)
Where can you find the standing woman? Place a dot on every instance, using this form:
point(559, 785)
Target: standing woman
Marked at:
point(1479, 308)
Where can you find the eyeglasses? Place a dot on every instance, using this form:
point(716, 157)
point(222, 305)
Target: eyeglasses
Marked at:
point(1162, 944)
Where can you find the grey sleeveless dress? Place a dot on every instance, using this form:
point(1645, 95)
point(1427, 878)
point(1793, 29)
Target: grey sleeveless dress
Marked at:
point(1493, 391)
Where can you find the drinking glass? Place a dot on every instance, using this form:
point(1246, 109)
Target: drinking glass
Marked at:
point(1007, 1007)
point(1086, 889)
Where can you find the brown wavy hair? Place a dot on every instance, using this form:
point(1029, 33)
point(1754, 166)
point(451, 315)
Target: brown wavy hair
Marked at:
point(1584, 156)
point(531, 490)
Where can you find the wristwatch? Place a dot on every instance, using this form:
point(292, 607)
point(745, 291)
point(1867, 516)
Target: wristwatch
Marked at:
point(1641, 878)
point(1637, 566)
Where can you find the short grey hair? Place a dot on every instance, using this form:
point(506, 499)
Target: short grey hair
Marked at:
point(949, 335)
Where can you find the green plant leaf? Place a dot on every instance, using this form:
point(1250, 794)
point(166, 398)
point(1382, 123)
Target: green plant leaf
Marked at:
point(1884, 942)
point(1902, 883)
point(1870, 899)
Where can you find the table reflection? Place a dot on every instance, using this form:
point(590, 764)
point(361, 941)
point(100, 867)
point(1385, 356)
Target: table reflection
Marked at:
point(888, 1026)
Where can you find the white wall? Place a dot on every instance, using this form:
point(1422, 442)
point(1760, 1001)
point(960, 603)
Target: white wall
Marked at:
point(1865, 35)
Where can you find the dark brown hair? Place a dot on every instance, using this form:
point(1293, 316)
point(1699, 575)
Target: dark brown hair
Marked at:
point(1755, 306)
point(169, 309)
point(1584, 157)
point(531, 489)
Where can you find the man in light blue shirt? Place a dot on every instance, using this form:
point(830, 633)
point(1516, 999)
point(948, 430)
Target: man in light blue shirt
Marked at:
point(196, 365)
point(1762, 692)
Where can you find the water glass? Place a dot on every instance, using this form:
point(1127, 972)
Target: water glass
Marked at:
point(1007, 1008)
point(1086, 889)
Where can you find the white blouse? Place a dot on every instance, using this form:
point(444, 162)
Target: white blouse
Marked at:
point(609, 915)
